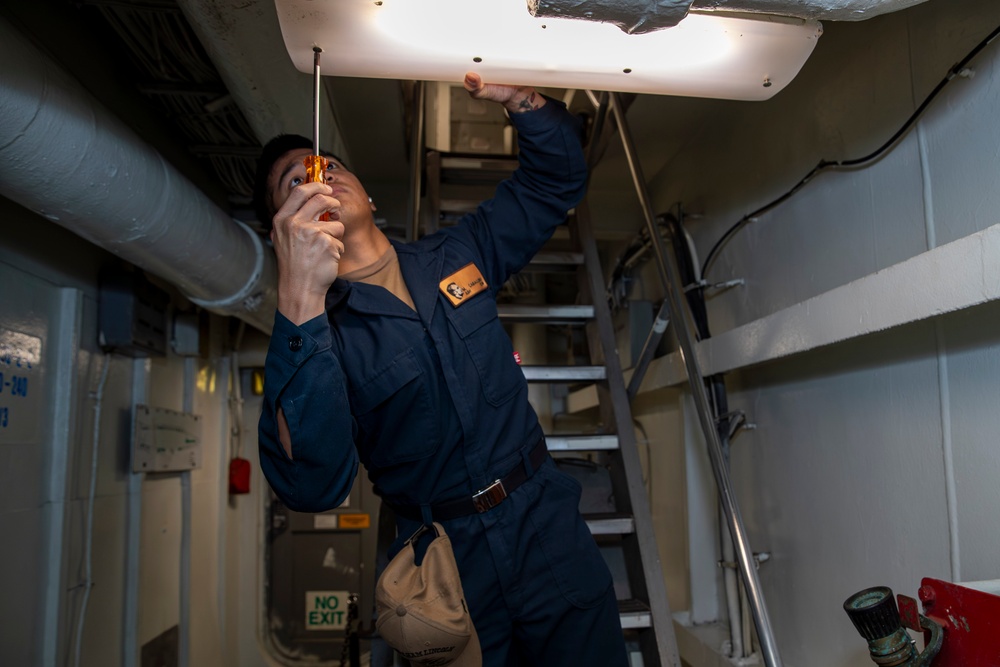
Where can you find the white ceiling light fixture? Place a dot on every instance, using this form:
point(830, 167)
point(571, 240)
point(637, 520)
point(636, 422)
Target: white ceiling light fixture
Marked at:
point(748, 57)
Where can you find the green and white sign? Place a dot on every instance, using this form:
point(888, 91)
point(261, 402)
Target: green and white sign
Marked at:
point(326, 610)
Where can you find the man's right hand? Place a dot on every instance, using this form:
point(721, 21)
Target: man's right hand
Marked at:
point(308, 250)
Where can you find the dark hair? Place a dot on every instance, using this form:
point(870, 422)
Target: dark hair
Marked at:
point(271, 153)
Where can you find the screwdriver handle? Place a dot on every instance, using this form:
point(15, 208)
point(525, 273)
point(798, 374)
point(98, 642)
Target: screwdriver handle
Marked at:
point(316, 166)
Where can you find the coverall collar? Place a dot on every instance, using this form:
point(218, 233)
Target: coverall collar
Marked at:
point(420, 264)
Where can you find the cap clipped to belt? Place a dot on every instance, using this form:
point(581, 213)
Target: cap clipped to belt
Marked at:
point(421, 608)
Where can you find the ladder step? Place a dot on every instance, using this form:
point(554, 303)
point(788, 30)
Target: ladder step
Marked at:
point(610, 524)
point(547, 261)
point(634, 615)
point(547, 314)
point(474, 171)
point(580, 443)
point(563, 373)
point(477, 163)
point(459, 206)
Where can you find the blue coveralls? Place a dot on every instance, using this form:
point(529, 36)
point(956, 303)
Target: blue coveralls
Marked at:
point(436, 407)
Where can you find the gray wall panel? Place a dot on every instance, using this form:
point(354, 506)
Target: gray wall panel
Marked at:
point(974, 380)
point(21, 572)
point(843, 483)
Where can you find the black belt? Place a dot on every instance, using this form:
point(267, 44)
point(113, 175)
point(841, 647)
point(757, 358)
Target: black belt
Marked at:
point(484, 500)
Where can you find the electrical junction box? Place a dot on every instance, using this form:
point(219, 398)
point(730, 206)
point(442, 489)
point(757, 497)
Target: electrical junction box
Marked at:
point(187, 339)
point(132, 314)
point(165, 440)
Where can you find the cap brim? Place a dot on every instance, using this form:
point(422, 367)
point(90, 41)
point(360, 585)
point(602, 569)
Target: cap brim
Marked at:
point(472, 656)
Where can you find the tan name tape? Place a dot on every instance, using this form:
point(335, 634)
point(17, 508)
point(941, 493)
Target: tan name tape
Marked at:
point(462, 284)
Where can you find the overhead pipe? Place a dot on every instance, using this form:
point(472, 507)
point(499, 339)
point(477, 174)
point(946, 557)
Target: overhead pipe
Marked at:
point(633, 17)
point(827, 10)
point(70, 160)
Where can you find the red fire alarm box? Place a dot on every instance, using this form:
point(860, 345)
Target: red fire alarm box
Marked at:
point(239, 476)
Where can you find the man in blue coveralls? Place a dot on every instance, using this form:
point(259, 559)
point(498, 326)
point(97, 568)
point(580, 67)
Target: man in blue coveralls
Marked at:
point(393, 354)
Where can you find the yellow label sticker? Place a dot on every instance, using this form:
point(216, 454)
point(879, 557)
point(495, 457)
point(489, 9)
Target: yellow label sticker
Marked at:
point(354, 521)
point(462, 284)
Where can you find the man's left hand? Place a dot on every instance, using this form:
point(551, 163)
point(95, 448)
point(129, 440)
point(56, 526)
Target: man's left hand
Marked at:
point(516, 99)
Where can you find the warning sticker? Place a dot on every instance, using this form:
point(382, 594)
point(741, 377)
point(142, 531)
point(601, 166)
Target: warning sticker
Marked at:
point(355, 521)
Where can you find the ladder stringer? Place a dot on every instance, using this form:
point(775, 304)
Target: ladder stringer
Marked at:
point(659, 645)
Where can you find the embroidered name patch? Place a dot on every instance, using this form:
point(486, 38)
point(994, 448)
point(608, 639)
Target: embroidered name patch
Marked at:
point(462, 284)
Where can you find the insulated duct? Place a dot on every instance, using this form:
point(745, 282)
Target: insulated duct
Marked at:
point(73, 162)
point(642, 16)
point(632, 16)
point(826, 10)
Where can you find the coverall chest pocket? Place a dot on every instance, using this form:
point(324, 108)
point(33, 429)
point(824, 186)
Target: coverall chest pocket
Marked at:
point(395, 417)
point(489, 348)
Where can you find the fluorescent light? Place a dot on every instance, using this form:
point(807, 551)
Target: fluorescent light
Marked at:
point(749, 57)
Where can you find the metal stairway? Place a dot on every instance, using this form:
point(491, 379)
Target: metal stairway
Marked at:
point(645, 612)
point(627, 531)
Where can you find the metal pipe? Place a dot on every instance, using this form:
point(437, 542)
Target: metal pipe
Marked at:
point(131, 650)
point(416, 159)
point(684, 330)
point(745, 628)
point(731, 583)
point(187, 502)
point(595, 136)
point(64, 342)
point(656, 332)
point(739, 635)
point(65, 157)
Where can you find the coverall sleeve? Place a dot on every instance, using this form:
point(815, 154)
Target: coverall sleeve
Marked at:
point(526, 209)
point(304, 378)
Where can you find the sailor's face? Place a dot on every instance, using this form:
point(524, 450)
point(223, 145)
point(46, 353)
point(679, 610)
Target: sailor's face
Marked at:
point(289, 172)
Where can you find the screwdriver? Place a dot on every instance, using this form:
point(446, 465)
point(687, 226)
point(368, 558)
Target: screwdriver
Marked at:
point(316, 164)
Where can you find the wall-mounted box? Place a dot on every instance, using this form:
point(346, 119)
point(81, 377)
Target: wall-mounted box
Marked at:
point(132, 314)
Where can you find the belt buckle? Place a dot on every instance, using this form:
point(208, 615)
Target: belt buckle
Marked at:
point(489, 497)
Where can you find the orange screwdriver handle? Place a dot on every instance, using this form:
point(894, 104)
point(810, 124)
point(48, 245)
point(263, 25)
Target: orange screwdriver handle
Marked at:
point(316, 166)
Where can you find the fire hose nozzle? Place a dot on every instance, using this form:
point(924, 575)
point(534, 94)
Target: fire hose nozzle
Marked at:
point(876, 617)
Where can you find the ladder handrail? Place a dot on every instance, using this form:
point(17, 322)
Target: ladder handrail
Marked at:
point(684, 331)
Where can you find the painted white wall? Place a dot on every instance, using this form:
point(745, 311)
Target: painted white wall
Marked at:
point(50, 291)
point(28, 308)
point(874, 461)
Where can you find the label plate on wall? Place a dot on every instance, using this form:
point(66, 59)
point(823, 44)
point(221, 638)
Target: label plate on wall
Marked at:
point(165, 440)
